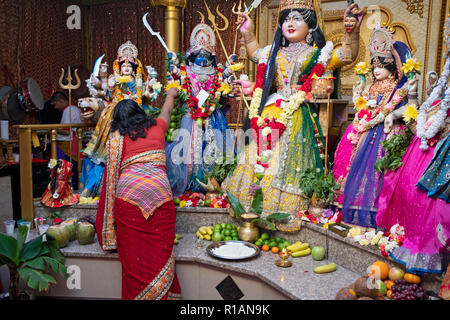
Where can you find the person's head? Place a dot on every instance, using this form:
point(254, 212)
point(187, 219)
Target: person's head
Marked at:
point(127, 68)
point(130, 119)
point(300, 25)
point(384, 68)
point(59, 100)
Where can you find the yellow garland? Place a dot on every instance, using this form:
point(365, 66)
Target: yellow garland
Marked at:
point(411, 65)
point(289, 108)
point(410, 113)
point(360, 104)
point(237, 67)
point(173, 84)
point(362, 68)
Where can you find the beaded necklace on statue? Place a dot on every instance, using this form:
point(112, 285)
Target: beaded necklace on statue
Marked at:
point(427, 131)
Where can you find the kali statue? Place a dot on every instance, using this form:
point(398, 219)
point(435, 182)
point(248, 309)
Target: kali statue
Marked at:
point(128, 81)
point(288, 138)
point(202, 137)
point(379, 105)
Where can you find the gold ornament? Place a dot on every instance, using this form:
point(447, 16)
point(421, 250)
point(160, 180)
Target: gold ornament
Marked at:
point(297, 4)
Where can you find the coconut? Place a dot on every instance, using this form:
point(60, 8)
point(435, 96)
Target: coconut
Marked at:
point(60, 233)
point(85, 233)
point(362, 289)
point(71, 225)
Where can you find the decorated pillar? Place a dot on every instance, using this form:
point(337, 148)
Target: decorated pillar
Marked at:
point(172, 20)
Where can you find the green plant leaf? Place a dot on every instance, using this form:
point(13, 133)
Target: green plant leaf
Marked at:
point(257, 203)
point(56, 266)
point(37, 263)
point(36, 279)
point(22, 232)
point(270, 224)
point(31, 249)
point(235, 204)
point(54, 252)
point(8, 249)
point(278, 216)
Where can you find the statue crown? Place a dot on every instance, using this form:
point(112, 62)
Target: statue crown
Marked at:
point(127, 51)
point(297, 4)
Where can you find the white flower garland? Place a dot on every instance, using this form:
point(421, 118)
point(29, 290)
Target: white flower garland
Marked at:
point(424, 133)
point(326, 53)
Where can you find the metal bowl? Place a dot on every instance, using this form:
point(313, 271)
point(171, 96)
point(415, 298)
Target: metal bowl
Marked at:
point(215, 245)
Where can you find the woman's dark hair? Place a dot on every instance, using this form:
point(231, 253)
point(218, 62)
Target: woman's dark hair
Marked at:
point(387, 65)
point(130, 119)
point(318, 37)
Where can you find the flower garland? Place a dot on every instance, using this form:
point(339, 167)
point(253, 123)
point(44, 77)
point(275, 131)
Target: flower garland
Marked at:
point(263, 128)
point(186, 94)
point(428, 129)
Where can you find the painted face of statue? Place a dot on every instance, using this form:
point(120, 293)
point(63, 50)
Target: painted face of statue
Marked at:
point(126, 69)
point(381, 73)
point(294, 28)
point(350, 23)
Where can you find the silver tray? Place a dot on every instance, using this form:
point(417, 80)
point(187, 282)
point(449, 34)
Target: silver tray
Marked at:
point(215, 245)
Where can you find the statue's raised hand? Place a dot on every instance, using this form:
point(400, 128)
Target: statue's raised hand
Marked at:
point(246, 23)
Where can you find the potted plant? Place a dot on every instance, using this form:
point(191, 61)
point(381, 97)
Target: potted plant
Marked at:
point(324, 189)
point(221, 170)
point(30, 261)
point(307, 180)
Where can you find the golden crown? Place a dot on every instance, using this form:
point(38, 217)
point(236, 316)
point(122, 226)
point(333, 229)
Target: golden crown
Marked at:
point(297, 4)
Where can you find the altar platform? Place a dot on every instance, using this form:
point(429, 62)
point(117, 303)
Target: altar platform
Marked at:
point(199, 274)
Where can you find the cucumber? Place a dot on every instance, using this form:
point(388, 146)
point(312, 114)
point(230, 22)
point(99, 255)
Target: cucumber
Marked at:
point(301, 253)
point(326, 268)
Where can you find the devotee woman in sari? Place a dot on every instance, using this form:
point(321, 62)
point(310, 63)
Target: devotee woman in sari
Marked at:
point(136, 214)
point(279, 109)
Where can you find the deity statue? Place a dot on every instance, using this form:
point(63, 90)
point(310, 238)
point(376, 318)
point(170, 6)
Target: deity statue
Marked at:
point(417, 195)
point(59, 191)
point(128, 81)
point(287, 135)
point(194, 146)
point(378, 104)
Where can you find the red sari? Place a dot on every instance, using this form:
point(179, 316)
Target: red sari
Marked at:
point(136, 215)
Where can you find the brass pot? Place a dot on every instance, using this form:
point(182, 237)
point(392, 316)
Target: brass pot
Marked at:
point(248, 231)
point(320, 86)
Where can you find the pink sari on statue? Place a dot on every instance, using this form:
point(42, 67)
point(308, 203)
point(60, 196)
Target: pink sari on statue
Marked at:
point(342, 163)
point(426, 220)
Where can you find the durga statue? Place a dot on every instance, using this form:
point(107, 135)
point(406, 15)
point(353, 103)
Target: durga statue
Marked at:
point(200, 139)
point(288, 138)
point(128, 81)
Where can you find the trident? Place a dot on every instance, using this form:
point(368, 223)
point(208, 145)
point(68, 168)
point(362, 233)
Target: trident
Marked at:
point(212, 19)
point(70, 86)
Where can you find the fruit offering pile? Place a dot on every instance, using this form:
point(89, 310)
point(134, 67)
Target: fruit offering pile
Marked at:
point(194, 199)
point(218, 232)
point(395, 283)
point(401, 290)
point(175, 122)
point(266, 243)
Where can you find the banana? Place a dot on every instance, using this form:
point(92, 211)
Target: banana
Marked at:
point(203, 230)
point(210, 230)
point(207, 237)
point(298, 246)
point(301, 253)
point(199, 235)
point(326, 268)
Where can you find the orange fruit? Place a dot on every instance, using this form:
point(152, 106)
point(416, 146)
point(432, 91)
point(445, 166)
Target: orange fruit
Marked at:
point(275, 249)
point(389, 293)
point(412, 278)
point(380, 270)
point(265, 247)
point(389, 284)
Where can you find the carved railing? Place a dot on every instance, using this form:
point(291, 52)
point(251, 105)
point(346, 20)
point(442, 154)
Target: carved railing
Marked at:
point(26, 158)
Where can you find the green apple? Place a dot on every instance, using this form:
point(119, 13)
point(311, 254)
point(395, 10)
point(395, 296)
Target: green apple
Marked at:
point(381, 286)
point(318, 253)
point(216, 237)
point(396, 274)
